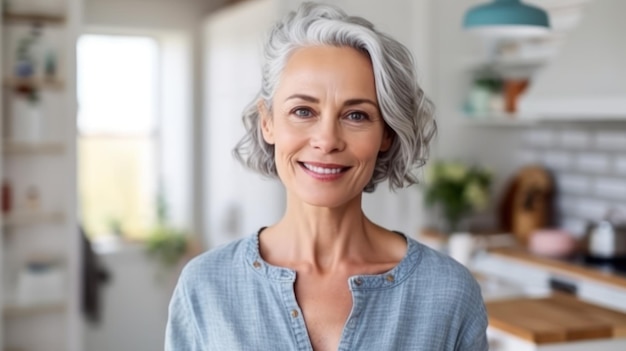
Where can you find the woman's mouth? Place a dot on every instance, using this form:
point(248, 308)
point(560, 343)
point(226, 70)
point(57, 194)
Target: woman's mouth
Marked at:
point(323, 171)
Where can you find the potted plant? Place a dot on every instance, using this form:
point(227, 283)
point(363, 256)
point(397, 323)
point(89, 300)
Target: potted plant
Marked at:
point(456, 190)
point(166, 243)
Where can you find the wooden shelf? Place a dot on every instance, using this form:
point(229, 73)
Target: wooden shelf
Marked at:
point(26, 311)
point(32, 218)
point(22, 148)
point(15, 83)
point(21, 18)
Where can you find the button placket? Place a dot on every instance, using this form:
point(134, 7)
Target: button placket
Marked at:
point(295, 317)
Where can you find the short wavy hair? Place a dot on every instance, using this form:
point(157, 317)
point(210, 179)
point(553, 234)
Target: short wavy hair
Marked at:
point(407, 112)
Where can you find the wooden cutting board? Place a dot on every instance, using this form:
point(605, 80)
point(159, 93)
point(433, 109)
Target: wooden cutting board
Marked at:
point(527, 202)
point(554, 319)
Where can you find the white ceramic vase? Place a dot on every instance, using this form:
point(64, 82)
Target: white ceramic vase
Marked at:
point(461, 246)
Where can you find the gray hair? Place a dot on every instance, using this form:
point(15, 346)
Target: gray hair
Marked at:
point(407, 112)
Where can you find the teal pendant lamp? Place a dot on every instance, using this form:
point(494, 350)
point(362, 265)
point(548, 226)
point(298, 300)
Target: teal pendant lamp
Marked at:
point(507, 18)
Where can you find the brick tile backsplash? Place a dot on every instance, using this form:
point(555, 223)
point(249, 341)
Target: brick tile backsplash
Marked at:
point(576, 226)
point(592, 163)
point(620, 165)
point(557, 160)
point(592, 209)
point(525, 157)
point(589, 167)
point(573, 184)
point(574, 139)
point(539, 138)
point(567, 205)
point(610, 140)
point(610, 188)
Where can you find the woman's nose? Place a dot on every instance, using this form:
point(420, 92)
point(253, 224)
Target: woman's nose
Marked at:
point(327, 136)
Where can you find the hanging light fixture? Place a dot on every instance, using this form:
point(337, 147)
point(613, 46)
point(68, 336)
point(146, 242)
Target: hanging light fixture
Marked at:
point(507, 18)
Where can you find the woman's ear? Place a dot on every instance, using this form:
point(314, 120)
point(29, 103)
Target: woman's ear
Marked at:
point(267, 124)
point(385, 144)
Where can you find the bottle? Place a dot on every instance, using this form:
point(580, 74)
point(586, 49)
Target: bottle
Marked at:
point(32, 198)
point(50, 67)
point(6, 197)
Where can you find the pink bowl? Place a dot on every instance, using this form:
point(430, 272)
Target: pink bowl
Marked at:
point(552, 243)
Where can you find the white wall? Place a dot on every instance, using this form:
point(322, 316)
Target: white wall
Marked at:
point(237, 201)
point(134, 304)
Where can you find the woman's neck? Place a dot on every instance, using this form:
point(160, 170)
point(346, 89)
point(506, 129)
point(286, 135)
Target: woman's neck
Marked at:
point(322, 239)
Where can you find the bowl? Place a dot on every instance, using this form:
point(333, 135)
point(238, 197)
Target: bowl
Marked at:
point(554, 243)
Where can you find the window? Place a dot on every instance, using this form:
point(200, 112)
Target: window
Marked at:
point(118, 134)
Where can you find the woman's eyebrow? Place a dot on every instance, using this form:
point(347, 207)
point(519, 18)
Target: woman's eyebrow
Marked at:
point(353, 102)
point(303, 97)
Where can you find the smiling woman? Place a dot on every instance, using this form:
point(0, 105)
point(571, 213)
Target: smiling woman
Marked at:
point(326, 129)
point(339, 111)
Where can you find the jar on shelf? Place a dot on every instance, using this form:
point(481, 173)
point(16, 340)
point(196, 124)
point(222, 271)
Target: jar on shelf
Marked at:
point(25, 119)
point(485, 96)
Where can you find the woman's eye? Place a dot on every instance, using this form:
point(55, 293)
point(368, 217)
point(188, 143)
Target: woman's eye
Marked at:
point(302, 112)
point(357, 116)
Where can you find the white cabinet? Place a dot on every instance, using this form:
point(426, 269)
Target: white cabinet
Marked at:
point(40, 251)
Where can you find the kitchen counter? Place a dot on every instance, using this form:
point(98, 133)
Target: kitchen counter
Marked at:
point(556, 322)
point(556, 318)
point(575, 268)
point(526, 314)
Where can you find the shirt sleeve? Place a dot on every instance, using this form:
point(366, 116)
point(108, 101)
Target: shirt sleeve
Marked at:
point(182, 332)
point(473, 336)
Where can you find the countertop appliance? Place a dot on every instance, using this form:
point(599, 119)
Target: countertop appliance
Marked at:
point(606, 241)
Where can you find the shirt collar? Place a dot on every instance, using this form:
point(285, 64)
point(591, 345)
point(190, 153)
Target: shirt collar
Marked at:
point(391, 278)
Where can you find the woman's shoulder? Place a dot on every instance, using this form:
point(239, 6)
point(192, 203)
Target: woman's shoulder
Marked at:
point(216, 261)
point(437, 268)
point(445, 284)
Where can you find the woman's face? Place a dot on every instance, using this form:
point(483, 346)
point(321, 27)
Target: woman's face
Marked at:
point(325, 125)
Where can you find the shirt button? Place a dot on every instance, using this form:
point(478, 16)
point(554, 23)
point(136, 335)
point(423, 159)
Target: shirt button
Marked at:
point(294, 313)
point(390, 278)
point(256, 264)
point(358, 281)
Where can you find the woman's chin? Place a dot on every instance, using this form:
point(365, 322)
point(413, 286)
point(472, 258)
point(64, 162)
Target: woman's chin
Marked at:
point(328, 200)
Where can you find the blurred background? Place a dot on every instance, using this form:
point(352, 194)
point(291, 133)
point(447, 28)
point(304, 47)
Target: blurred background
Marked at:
point(118, 117)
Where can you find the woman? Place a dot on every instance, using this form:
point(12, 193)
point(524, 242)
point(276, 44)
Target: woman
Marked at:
point(339, 111)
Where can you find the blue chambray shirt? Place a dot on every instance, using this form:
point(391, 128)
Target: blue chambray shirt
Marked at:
point(230, 299)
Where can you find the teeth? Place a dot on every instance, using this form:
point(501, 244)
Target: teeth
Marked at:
point(322, 170)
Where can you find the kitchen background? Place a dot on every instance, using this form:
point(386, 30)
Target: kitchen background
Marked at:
point(145, 162)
